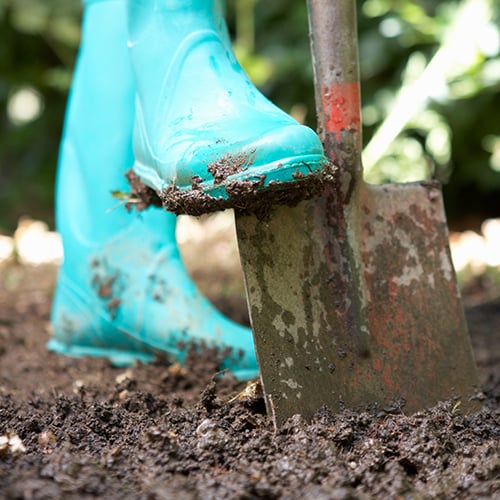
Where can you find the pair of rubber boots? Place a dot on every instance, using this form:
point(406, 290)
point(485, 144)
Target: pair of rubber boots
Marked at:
point(170, 102)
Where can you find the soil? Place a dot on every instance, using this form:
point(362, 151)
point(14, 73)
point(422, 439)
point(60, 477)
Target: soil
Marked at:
point(246, 197)
point(229, 165)
point(80, 428)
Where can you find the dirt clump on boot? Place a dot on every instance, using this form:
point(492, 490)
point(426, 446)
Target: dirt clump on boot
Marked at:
point(144, 195)
point(229, 165)
point(245, 197)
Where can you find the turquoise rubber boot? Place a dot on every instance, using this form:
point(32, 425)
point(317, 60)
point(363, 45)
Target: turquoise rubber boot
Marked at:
point(205, 138)
point(122, 291)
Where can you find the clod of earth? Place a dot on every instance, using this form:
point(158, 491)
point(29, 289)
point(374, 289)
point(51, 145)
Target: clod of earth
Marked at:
point(229, 165)
point(246, 197)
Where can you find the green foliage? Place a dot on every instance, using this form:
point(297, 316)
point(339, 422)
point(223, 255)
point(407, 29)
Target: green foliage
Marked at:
point(454, 135)
point(37, 53)
point(452, 69)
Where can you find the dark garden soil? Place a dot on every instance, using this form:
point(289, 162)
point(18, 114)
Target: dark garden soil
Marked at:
point(82, 428)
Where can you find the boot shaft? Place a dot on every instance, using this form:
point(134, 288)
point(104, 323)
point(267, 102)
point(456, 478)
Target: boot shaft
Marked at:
point(160, 31)
point(153, 19)
point(96, 146)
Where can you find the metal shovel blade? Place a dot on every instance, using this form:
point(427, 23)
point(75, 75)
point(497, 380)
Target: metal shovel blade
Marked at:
point(352, 295)
point(372, 318)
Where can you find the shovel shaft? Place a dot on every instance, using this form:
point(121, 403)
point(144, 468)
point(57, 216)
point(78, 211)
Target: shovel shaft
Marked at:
point(334, 47)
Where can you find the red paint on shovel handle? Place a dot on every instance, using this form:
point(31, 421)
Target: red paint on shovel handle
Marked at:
point(341, 107)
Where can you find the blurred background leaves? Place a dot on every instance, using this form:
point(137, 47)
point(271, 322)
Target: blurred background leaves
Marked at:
point(39, 40)
point(430, 75)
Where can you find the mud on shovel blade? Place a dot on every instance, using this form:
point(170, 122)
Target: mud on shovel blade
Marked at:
point(352, 295)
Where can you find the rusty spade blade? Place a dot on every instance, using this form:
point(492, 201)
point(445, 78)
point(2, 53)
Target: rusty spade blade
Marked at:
point(352, 295)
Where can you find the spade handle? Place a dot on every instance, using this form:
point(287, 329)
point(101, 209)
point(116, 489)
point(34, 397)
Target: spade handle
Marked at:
point(334, 49)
